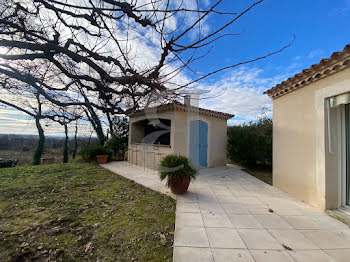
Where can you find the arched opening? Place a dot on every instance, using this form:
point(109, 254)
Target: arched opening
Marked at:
point(151, 131)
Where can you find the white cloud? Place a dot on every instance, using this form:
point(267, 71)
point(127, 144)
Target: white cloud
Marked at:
point(16, 126)
point(242, 94)
point(15, 122)
point(238, 92)
point(233, 122)
point(316, 53)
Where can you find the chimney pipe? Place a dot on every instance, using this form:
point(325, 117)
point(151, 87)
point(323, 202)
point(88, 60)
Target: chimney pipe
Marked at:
point(187, 100)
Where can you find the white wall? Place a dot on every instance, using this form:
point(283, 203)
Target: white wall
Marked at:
point(299, 141)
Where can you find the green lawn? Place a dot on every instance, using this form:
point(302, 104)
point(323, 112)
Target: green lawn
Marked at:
point(81, 212)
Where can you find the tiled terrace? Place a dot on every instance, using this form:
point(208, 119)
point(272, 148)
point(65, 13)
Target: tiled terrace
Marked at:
point(228, 215)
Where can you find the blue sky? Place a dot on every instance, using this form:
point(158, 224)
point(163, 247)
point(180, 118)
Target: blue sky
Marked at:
point(321, 27)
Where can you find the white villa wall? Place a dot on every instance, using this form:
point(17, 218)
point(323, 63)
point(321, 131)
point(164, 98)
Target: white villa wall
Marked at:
point(300, 154)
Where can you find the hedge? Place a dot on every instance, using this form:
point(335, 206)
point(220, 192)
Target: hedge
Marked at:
point(251, 144)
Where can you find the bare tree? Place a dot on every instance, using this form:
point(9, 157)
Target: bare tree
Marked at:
point(75, 140)
point(109, 56)
point(95, 44)
point(64, 117)
point(29, 100)
point(35, 109)
point(92, 115)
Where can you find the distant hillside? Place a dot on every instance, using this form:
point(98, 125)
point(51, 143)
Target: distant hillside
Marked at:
point(22, 147)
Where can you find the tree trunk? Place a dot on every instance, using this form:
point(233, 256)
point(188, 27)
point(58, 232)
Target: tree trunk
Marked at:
point(99, 130)
point(96, 124)
point(95, 121)
point(89, 141)
point(111, 129)
point(65, 148)
point(41, 143)
point(75, 140)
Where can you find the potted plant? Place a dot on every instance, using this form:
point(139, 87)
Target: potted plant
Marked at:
point(99, 153)
point(178, 172)
point(102, 159)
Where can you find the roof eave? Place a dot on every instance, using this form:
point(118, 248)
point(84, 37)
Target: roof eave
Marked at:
point(181, 107)
point(326, 67)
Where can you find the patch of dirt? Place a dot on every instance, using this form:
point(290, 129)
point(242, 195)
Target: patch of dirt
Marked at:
point(263, 175)
point(29, 239)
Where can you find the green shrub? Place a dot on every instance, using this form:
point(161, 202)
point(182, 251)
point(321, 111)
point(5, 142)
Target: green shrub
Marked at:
point(176, 166)
point(117, 143)
point(90, 152)
point(8, 163)
point(251, 144)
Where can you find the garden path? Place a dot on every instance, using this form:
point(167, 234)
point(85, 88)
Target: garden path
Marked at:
point(229, 215)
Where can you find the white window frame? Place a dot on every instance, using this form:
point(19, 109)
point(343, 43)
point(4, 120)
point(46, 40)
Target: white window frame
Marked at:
point(342, 181)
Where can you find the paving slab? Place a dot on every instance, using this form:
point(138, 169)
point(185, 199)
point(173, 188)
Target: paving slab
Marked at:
point(311, 255)
point(187, 207)
point(271, 256)
point(211, 208)
point(329, 239)
point(224, 238)
point(272, 221)
point(259, 239)
point(339, 255)
point(189, 220)
point(258, 209)
point(146, 177)
point(186, 254)
point(244, 221)
point(229, 215)
point(217, 220)
point(191, 237)
point(232, 255)
point(293, 239)
point(238, 209)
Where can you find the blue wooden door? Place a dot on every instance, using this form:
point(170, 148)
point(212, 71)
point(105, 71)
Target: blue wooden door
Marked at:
point(199, 143)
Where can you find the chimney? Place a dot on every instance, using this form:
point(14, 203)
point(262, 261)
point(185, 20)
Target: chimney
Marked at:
point(192, 100)
point(187, 100)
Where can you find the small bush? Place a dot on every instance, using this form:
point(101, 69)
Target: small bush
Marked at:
point(117, 143)
point(176, 166)
point(8, 163)
point(251, 144)
point(90, 153)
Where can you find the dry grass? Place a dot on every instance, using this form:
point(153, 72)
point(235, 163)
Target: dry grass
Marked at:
point(25, 158)
point(81, 212)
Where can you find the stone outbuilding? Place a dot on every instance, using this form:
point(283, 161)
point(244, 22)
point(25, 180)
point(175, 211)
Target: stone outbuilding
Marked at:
point(311, 133)
point(180, 129)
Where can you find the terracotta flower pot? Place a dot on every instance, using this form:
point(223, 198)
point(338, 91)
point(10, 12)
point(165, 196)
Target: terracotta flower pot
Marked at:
point(48, 160)
point(179, 185)
point(102, 159)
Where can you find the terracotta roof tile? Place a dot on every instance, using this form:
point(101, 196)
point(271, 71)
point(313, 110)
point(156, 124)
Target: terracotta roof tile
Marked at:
point(327, 66)
point(179, 106)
